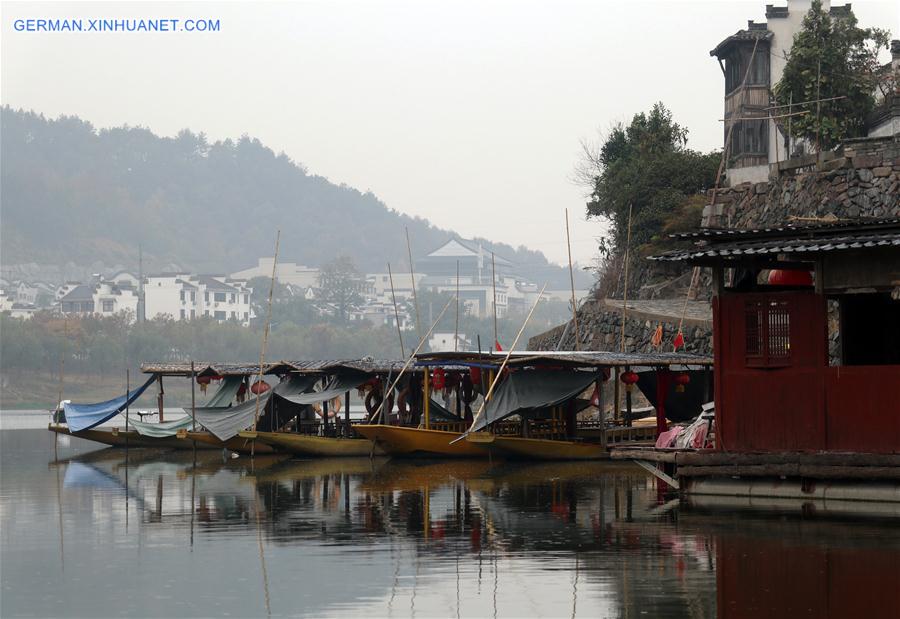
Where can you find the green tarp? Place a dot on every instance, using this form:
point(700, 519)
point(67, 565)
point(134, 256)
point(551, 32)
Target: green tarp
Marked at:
point(164, 429)
point(225, 394)
point(525, 391)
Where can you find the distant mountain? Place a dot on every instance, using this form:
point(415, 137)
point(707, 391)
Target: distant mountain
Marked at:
point(74, 195)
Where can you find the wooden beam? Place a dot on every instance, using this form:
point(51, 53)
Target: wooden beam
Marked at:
point(651, 468)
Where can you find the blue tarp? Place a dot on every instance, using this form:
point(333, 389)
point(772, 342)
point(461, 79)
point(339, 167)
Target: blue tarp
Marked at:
point(85, 416)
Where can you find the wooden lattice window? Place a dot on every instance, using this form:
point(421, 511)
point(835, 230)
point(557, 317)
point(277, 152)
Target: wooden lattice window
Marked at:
point(767, 334)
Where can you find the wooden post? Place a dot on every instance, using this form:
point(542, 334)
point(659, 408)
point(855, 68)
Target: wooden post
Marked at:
point(426, 396)
point(600, 412)
point(616, 396)
point(160, 397)
point(628, 401)
point(347, 414)
point(127, 390)
point(662, 389)
point(193, 397)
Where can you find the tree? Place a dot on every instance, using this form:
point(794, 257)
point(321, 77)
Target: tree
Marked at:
point(645, 166)
point(341, 283)
point(831, 57)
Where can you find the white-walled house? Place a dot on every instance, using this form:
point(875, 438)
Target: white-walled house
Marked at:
point(181, 296)
point(289, 273)
point(99, 298)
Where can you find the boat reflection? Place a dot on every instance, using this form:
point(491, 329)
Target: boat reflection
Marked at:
point(624, 547)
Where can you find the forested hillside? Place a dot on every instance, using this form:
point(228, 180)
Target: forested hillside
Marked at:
point(72, 193)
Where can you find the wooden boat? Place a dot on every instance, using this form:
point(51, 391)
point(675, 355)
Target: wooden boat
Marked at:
point(117, 437)
point(400, 441)
point(537, 448)
point(308, 445)
point(237, 444)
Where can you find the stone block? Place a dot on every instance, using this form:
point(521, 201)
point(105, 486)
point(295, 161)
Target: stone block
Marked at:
point(867, 161)
point(882, 171)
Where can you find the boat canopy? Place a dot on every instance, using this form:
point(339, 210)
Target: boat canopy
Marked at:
point(226, 392)
point(526, 391)
point(227, 422)
point(86, 416)
point(164, 429)
point(336, 386)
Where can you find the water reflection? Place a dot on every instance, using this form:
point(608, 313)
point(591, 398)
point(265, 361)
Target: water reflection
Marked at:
point(184, 534)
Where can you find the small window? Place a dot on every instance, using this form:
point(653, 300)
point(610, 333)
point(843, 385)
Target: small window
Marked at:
point(233, 297)
point(206, 297)
point(767, 334)
point(246, 298)
point(182, 314)
point(220, 315)
point(219, 297)
point(109, 305)
point(193, 314)
point(234, 314)
point(181, 294)
point(245, 315)
point(193, 296)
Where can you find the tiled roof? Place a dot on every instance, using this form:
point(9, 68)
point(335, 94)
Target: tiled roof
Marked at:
point(790, 239)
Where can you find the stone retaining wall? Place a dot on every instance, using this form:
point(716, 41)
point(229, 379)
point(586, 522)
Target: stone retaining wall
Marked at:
point(859, 180)
point(600, 327)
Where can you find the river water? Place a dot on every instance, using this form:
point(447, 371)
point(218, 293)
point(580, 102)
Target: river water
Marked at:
point(94, 532)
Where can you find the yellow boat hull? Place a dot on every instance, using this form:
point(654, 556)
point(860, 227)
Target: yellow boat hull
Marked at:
point(305, 445)
point(399, 441)
point(538, 448)
point(117, 437)
point(235, 443)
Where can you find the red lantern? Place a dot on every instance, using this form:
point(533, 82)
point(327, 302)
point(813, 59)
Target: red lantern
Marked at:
point(790, 277)
point(681, 380)
point(259, 387)
point(629, 378)
point(203, 381)
point(475, 375)
point(216, 377)
point(438, 379)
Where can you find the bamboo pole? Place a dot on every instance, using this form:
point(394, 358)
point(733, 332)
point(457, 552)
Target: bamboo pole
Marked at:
point(127, 394)
point(193, 398)
point(412, 277)
point(426, 396)
point(494, 287)
point(625, 290)
point(499, 373)
point(396, 312)
point(572, 282)
point(265, 341)
point(456, 329)
point(409, 360)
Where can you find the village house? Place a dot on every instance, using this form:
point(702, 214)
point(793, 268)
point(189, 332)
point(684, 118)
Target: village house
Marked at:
point(288, 273)
point(758, 138)
point(99, 297)
point(181, 296)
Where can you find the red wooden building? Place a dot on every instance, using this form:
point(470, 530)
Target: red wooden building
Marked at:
point(811, 361)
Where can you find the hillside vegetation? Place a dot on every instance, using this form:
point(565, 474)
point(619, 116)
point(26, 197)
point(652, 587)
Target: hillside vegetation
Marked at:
point(72, 193)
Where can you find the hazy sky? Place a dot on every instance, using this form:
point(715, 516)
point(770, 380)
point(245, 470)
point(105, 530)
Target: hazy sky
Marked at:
point(467, 113)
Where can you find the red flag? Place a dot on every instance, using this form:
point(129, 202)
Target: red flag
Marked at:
point(657, 338)
point(678, 342)
point(497, 346)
